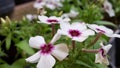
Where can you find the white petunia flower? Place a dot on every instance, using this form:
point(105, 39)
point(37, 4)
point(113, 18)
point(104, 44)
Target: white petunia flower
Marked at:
point(49, 20)
point(77, 31)
point(51, 4)
point(44, 56)
point(108, 8)
point(101, 56)
point(104, 30)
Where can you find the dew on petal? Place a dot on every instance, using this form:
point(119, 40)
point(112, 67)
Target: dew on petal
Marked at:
point(46, 48)
point(74, 33)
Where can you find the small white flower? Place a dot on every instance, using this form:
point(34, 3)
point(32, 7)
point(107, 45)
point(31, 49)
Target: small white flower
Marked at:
point(30, 17)
point(77, 31)
point(72, 14)
point(108, 8)
point(104, 30)
point(101, 56)
point(39, 5)
point(44, 56)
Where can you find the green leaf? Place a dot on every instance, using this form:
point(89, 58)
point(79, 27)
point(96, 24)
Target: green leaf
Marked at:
point(4, 66)
point(84, 64)
point(8, 41)
point(25, 47)
point(18, 64)
point(105, 23)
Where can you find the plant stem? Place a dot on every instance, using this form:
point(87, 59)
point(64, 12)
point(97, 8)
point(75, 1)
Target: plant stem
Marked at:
point(95, 40)
point(53, 29)
point(90, 50)
point(73, 44)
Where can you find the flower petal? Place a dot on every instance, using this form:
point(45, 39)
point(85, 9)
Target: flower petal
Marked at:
point(60, 51)
point(34, 58)
point(36, 41)
point(65, 26)
point(78, 26)
point(107, 48)
point(80, 39)
point(46, 61)
point(115, 35)
point(43, 19)
point(88, 32)
point(100, 59)
point(55, 38)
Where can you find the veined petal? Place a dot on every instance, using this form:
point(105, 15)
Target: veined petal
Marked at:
point(60, 51)
point(34, 58)
point(88, 32)
point(78, 25)
point(46, 61)
point(80, 39)
point(36, 41)
point(62, 32)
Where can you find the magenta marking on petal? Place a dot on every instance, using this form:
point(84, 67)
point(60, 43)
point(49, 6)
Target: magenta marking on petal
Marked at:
point(102, 52)
point(46, 48)
point(102, 31)
point(52, 20)
point(39, 1)
point(74, 33)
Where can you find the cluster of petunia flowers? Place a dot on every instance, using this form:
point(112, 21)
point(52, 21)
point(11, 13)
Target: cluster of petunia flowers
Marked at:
point(77, 31)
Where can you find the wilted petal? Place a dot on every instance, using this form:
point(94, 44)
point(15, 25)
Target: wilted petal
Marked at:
point(107, 48)
point(36, 41)
point(60, 51)
point(34, 58)
point(46, 61)
point(100, 59)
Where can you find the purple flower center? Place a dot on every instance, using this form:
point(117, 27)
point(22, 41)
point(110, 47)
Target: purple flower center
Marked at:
point(46, 48)
point(102, 52)
point(74, 33)
point(102, 31)
point(52, 20)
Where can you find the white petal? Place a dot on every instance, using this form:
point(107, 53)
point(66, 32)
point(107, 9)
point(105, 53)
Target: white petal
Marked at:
point(34, 58)
point(55, 38)
point(78, 25)
point(88, 32)
point(107, 48)
point(43, 19)
point(80, 39)
point(50, 6)
point(61, 51)
point(65, 26)
point(116, 35)
point(36, 41)
point(108, 8)
point(62, 32)
point(100, 59)
point(46, 61)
